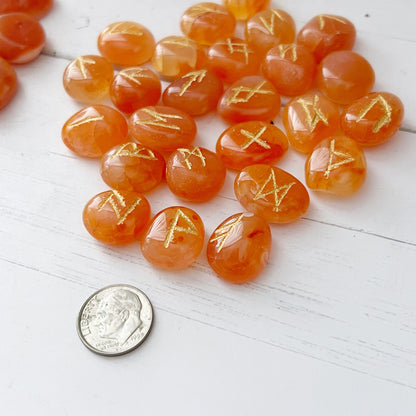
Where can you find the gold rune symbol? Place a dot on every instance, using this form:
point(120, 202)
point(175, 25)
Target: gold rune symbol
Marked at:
point(202, 8)
point(385, 118)
point(186, 153)
point(240, 47)
point(331, 165)
point(177, 40)
point(194, 76)
point(322, 18)
point(250, 92)
point(159, 119)
point(133, 75)
point(86, 120)
point(283, 49)
point(190, 229)
point(80, 63)
point(254, 137)
point(313, 118)
point(224, 232)
point(132, 150)
point(270, 25)
point(117, 203)
point(124, 28)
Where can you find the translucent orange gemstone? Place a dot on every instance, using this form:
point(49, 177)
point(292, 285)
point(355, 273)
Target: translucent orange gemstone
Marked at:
point(271, 193)
point(162, 128)
point(116, 217)
point(232, 59)
point(132, 167)
point(345, 76)
point(244, 9)
point(195, 174)
point(174, 238)
point(251, 142)
point(88, 78)
point(239, 248)
point(21, 38)
point(308, 119)
point(8, 83)
point(196, 93)
point(249, 98)
point(36, 8)
point(207, 23)
point(135, 87)
point(270, 28)
point(94, 130)
point(327, 33)
point(336, 165)
point(126, 43)
point(291, 68)
point(373, 119)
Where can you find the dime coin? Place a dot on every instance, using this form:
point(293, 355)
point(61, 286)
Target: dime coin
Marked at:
point(115, 320)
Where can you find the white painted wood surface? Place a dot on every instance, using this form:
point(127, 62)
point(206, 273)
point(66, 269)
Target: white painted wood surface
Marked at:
point(328, 329)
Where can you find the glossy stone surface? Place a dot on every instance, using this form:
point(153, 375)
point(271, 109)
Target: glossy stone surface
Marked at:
point(207, 23)
point(251, 142)
point(291, 68)
point(345, 76)
point(36, 8)
point(308, 119)
point(195, 93)
point(21, 38)
point(126, 43)
point(135, 87)
point(244, 9)
point(94, 130)
point(194, 174)
point(162, 128)
point(174, 238)
point(239, 248)
point(336, 165)
point(373, 119)
point(88, 78)
point(8, 83)
point(271, 193)
point(132, 167)
point(327, 33)
point(249, 98)
point(116, 217)
point(270, 28)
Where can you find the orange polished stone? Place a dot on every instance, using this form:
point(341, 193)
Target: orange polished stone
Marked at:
point(8, 83)
point(271, 193)
point(196, 93)
point(232, 59)
point(132, 167)
point(373, 119)
point(336, 165)
point(239, 248)
point(36, 8)
point(270, 28)
point(249, 98)
point(162, 128)
point(244, 9)
point(135, 87)
point(21, 38)
point(88, 78)
point(195, 174)
point(207, 23)
point(126, 43)
point(327, 33)
point(251, 142)
point(116, 217)
point(308, 119)
point(345, 76)
point(291, 68)
point(94, 130)
point(174, 238)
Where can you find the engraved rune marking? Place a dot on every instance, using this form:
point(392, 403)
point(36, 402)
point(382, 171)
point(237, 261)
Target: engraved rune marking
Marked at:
point(86, 120)
point(385, 118)
point(322, 18)
point(133, 75)
point(199, 9)
point(190, 229)
point(80, 63)
point(118, 204)
point(159, 119)
point(269, 25)
point(240, 47)
point(224, 232)
point(186, 153)
point(132, 150)
point(254, 137)
point(314, 115)
point(249, 93)
point(283, 49)
point(125, 28)
point(180, 41)
point(194, 76)
point(347, 158)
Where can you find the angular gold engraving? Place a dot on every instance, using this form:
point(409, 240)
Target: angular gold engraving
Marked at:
point(159, 119)
point(132, 150)
point(202, 8)
point(194, 76)
point(186, 153)
point(254, 138)
point(85, 121)
point(250, 92)
point(80, 63)
point(347, 158)
point(384, 119)
point(118, 204)
point(124, 28)
point(238, 47)
point(190, 229)
point(224, 232)
point(286, 49)
point(322, 18)
point(313, 114)
point(269, 25)
point(180, 41)
point(134, 75)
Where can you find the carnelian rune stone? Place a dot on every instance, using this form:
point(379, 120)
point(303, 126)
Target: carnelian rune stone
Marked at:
point(21, 38)
point(271, 193)
point(36, 8)
point(373, 119)
point(251, 142)
point(239, 248)
point(244, 9)
point(336, 165)
point(132, 167)
point(116, 217)
point(8, 83)
point(174, 238)
point(94, 130)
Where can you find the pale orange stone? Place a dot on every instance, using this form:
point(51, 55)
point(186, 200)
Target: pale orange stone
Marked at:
point(336, 165)
point(8, 83)
point(174, 238)
point(36, 8)
point(271, 193)
point(244, 9)
point(116, 217)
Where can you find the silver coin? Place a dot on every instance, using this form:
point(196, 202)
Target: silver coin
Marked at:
point(115, 320)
